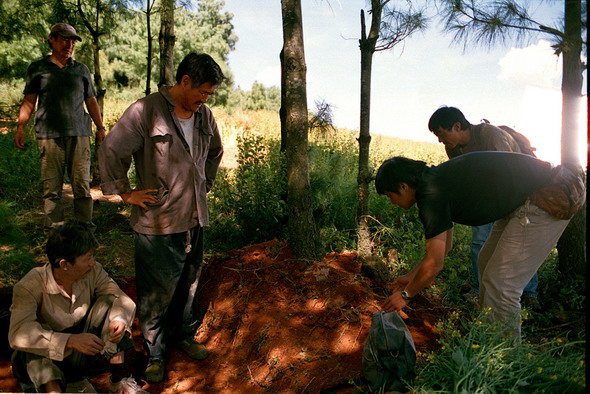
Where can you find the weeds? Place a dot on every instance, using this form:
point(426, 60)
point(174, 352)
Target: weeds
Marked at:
point(476, 357)
point(15, 258)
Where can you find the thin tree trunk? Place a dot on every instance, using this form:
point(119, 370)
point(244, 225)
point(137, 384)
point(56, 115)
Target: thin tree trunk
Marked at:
point(167, 40)
point(98, 85)
point(572, 82)
point(303, 232)
point(100, 93)
point(282, 114)
point(367, 47)
point(571, 247)
point(148, 15)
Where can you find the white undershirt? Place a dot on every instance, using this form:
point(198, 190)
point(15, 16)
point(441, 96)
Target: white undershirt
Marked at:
point(187, 126)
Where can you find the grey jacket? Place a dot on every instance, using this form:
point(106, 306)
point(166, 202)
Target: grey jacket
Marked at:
point(485, 136)
point(149, 132)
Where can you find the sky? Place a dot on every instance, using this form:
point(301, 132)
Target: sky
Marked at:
point(518, 86)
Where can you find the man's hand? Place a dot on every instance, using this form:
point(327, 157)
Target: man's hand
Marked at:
point(19, 139)
point(116, 331)
point(100, 134)
point(140, 197)
point(394, 302)
point(85, 343)
point(24, 114)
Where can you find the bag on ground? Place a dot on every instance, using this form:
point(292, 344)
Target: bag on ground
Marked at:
point(389, 355)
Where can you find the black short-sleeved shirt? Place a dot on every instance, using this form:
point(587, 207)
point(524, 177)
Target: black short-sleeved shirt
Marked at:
point(61, 93)
point(477, 188)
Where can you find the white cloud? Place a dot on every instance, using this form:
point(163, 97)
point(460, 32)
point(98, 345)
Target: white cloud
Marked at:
point(535, 65)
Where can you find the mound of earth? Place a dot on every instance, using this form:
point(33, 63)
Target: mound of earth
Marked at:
point(273, 323)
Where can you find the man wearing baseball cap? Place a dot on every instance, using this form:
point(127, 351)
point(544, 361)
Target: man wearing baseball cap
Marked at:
point(60, 87)
point(65, 30)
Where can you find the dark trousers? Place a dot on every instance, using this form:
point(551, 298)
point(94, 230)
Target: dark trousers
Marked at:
point(167, 274)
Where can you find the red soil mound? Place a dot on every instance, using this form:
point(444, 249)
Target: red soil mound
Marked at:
point(274, 323)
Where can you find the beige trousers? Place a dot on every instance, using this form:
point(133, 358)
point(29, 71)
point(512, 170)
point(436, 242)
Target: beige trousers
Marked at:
point(29, 368)
point(58, 156)
point(514, 251)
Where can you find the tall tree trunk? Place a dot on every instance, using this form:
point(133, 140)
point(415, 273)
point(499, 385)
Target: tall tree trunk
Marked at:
point(571, 247)
point(148, 16)
point(367, 47)
point(282, 114)
point(303, 232)
point(98, 85)
point(100, 93)
point(167, 40)
point(572, 82)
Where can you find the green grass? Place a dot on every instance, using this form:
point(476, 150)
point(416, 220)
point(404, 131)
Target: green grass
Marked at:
point(476, 357)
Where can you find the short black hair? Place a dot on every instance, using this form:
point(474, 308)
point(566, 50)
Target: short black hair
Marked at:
point(446, 117)
point(69, 241)
point(201, 68)
point(397, 170)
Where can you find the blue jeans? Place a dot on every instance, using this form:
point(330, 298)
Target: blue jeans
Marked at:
point(479, 236)
point(167, 277)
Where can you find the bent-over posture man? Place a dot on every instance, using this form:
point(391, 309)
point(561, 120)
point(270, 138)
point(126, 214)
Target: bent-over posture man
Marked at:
point(66, 311)
point(173, 138)
point(474, 189)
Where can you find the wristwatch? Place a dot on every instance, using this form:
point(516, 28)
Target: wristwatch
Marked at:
point(101, 128)
point(405, 295)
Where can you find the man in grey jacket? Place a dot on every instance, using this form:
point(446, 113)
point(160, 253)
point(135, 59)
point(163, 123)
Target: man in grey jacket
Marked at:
point(175, 143)
point(460, 137)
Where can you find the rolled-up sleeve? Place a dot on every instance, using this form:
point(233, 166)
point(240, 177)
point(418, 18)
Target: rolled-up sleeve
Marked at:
point(116, 152)
point(123, 308)
point(214, 155)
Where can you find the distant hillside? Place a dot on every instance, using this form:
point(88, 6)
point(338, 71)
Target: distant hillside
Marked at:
point(267, 124)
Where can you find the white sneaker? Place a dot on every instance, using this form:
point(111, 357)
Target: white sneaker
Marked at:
point(126, 386)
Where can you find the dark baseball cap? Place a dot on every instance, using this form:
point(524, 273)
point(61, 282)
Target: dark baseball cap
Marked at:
point(63, 29)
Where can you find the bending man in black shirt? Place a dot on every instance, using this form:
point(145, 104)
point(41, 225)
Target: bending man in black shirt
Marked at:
point(474, 189)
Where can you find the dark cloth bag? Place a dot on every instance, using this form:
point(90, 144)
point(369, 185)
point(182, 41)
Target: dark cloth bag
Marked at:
point(389, 355)
point(566, 193)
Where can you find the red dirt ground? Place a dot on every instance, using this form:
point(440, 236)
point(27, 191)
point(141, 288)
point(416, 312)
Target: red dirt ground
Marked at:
point(275, 324)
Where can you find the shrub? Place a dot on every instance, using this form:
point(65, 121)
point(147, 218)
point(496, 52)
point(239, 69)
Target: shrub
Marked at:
point(248, 204)
point(10, 98)
point(20, 170)
point(15, 258)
